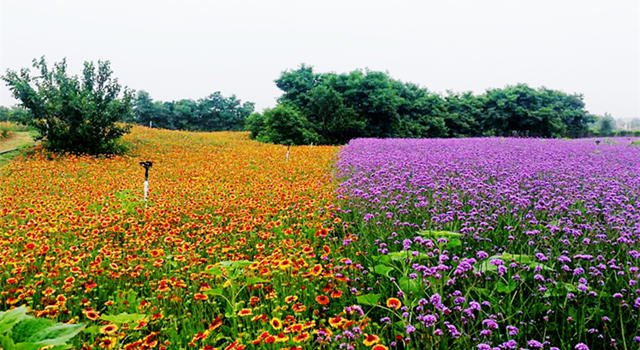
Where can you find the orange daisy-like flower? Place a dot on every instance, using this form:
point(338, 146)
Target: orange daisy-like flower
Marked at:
point(244, 312)
point(200, 296)
point(291, 299)
point(336, 294)
point(91, 314)
point(107, 343)
point(322, 299)
point(379, 347)
point(109, 329)
point(302, 337)
point(371, 339)
point(298, 307)
point(276, 323)
point(140, 325)
point(394, 303)
point(336, 322)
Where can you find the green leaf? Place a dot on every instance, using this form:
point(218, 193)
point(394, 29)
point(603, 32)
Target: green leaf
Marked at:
point(214, 291)
point(58, 334)
point(506, 288)
point(92, 330)
point(382, 269)
point(410, 285)
point(214, 270)
point(439, 234)
point(28, 326)
point(368, 299)
point(6, 342)
point(124, 318)
point(454, 243)
point(382, 259)
point(255, 280)
point(10, 318)
point(487, 266)
point(236, 263)
point(560, 289)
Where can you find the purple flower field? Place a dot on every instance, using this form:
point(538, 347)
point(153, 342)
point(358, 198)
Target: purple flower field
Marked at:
point(497, 243)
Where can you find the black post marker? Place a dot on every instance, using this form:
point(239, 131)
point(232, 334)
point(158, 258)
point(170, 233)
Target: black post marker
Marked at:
point(146, 166)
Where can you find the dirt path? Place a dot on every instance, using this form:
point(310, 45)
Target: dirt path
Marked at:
point(16, 140)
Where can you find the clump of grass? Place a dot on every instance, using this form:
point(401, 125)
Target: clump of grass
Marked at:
point(4, 133)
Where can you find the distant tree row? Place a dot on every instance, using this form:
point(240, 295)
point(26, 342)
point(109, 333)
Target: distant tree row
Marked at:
point(212, 113)
point(333, 108)
point(14, 114)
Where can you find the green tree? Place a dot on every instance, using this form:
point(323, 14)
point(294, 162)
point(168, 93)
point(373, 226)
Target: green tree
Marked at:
point(606, 125)
point(255, 124)
point(73, 114)
point(330, 118)
point(285, 125)
point(143, 109)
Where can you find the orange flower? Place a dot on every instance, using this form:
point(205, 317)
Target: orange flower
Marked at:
point(302, 337)
point(336, 322)
point(394, 303)
point(244, 312)
point(200, 296)
point(109, 329)
point(291, 299)
point(107, 343)
point(379, 347)
point(371, 339)
point(322, 299)
point(91, 314)
point(276, 323)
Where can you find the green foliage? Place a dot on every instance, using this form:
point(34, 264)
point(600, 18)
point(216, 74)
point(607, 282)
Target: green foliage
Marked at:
point(255, 124)
point(19, 331)
point(368, 299)
point(124, 318)
point(73, 114)
point(213, 113)
point(14, 114)
point(285, 125)
point(339, 107)
point(605, 125)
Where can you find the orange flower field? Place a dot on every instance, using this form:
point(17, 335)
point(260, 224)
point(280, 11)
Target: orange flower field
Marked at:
point(233, 251)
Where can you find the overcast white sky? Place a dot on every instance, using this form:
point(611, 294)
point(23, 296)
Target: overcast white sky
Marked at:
point(188, 49)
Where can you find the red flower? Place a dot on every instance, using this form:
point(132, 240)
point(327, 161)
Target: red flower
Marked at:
point(394, 303)
point(322, 299)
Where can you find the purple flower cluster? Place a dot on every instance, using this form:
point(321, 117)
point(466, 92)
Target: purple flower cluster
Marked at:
point(507, 242)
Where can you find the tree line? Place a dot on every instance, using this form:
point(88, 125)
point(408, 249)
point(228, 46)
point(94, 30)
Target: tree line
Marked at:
point(212, 113)
point(329, 108)
point(89, 113)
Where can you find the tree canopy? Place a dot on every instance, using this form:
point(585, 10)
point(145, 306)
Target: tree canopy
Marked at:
point(338, 107)
point(212, 113)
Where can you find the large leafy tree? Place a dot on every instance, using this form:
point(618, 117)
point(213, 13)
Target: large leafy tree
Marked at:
point(73, 114)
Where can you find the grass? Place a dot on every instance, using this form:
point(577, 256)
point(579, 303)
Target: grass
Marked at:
point(16, 138)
